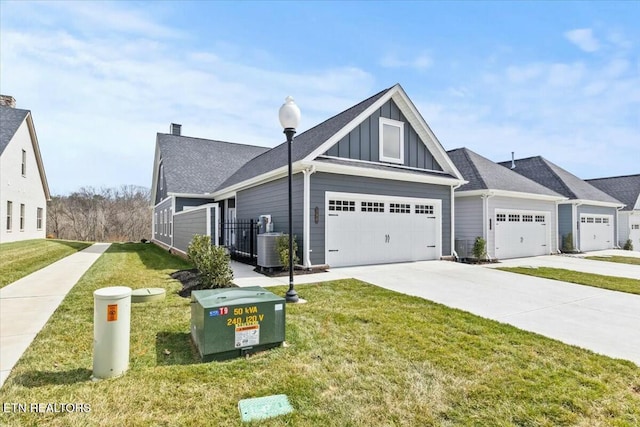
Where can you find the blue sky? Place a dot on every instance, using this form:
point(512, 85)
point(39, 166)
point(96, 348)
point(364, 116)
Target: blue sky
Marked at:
point(557, 79)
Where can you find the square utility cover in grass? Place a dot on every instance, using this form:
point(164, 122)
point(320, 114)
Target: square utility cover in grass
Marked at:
point(358, 355)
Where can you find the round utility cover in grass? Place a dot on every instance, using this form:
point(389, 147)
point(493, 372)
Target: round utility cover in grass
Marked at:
point(148, 295)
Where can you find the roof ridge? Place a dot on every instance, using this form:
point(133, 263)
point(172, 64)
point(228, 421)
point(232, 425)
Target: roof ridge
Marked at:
point(214, 140)
point(564, 184)
point(466, 152)
point(613, 177)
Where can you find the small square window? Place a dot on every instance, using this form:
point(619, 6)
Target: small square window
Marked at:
point(501, 217)
point(540, 218)
point(399, 208)
point(371, 206)
point(342, 205)
point(391, 141)
point(527, 218)
point(514, 218)
point(605, 220)
point(424, 209)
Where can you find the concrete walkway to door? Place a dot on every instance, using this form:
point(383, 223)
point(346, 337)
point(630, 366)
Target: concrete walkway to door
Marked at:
point(27, 303)
point(600, 320)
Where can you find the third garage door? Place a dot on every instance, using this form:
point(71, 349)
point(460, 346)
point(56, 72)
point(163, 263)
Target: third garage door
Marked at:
point(370, 229)
point(521, 233)
point(596, 232)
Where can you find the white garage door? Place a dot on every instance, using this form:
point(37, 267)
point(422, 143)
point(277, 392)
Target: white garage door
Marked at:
point(596, 232)
point(634, 233)
point(521, 233)
point(363, 229)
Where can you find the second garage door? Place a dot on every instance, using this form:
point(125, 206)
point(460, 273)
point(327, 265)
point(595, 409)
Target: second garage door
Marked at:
point(364, 229)
point(596, 232)
point(521, 233)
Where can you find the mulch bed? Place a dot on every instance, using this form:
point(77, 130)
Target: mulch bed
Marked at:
point(277, 272)
point(190, 281)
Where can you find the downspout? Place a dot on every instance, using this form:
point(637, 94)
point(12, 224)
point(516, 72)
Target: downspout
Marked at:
point(306, 221)
point(453, 221)
point(173, 211)
point(558, 237)
point(576, 222)
point(615, 231)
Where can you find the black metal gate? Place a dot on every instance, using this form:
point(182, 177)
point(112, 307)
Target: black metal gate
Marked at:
point(241, 238)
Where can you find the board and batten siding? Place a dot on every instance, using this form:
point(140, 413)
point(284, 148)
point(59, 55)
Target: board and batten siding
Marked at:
point(522, 205)
point(272, 198)
point(323, 182)
point(158, 232)
point(186, 225)
point(362, 143)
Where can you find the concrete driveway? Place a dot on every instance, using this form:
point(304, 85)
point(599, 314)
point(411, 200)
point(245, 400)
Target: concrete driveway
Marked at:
point(603, 321)
point(579, 263)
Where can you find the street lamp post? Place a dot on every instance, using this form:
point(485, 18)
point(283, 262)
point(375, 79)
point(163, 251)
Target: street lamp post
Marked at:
point(289, 115)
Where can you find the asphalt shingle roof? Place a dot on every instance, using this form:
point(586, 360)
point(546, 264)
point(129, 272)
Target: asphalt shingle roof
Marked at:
point(10, 121)
point(302, 145)
point(381, 167)
point(483, 174)
point(557, 179)
point(624, 188)
point(198, 166)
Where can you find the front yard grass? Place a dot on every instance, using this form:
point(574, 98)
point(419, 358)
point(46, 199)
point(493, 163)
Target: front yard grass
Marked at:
point(18, 259)
point(621, 284)
point(357, 355)
point(617, 258)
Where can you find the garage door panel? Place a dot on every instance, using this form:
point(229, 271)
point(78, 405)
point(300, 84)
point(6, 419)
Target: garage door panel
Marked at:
point(596, 232)
point(381, 229)
point(634, 233)
point(521, 233)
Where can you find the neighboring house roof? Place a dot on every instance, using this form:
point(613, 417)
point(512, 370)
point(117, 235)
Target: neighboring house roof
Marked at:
point(624, 188)
point(303, 144)
point(559, 180)
point(10, 121)
point(199, 166)
point(483, 174)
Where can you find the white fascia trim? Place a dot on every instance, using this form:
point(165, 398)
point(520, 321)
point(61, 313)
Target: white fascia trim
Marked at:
point(380, 174)
point(281, 172)
point(196, 208)
point(513, 194)
point(36, 149)
point(579, 202)
point(369, 162)
point(154, 178)
point(192, 195)
point(161, 202)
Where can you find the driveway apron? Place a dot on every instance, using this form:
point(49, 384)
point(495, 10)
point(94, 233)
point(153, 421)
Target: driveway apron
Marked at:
point(27, 304)
point(600, 320)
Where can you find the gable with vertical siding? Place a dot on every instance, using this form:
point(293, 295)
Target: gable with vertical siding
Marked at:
point(363, 142)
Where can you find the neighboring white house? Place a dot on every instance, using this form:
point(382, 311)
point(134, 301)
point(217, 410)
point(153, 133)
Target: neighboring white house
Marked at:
point(24, 191)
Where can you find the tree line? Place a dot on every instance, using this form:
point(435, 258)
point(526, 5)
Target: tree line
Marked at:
point(101, 215)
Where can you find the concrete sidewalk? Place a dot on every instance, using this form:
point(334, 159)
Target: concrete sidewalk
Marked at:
point(27, 304)
point(579, 263)
point(243, 275)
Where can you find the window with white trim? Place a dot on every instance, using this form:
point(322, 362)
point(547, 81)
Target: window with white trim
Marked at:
point(372, 206)
point(501, 217)
point(391, 141)
point(21, 216)
point(170, 223)
point(24, 163)
point(399, 208)
point(161, 177)
point(161, 224)
point(424, 209)
point(164, 230)
point(9, 215)
point(539, 218)
point(155, 222)
point(39, 219)
point(342, 205)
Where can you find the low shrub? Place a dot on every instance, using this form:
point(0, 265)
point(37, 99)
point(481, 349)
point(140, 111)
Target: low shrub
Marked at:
point(282, 247)
point(212, 262)
point(628, 245)
point(567, 243)
point(479, 248)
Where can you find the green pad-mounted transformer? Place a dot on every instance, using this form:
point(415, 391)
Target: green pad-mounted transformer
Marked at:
point(232, 322)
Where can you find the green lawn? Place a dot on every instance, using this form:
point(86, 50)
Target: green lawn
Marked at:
point(18, 259)
point(621, 284)
point(616, 258)
point(357, 355)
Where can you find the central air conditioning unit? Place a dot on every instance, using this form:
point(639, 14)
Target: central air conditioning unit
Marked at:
point(267, 253)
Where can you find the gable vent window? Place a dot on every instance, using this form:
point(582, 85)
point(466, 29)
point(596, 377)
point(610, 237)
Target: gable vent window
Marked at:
point(391, 141)
point(342, 205)
point(372, 206)
point(501, 217)
point(24, 163)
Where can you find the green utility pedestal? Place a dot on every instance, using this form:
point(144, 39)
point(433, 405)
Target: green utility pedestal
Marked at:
point(232, 322)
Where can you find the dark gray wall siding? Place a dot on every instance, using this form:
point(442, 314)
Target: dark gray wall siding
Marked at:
point(159, 235)
point(565, 222)
point(272, 199)
point(322, 182)
point(186, 225)
point(181, 202)
point(362, 143)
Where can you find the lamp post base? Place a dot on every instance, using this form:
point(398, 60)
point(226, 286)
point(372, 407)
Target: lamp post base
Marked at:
point(292, 296)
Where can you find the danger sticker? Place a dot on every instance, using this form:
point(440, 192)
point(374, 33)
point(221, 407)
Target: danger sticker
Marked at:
point(247, 335)
point(112, 312)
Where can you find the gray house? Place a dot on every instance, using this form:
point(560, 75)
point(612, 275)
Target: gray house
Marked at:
point(627, 190)
point(371, 184)
point(589, 215)
point(516, 216)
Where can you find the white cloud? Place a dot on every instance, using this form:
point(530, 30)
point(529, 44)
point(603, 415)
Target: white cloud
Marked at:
point(584, 39)
point(422, 61)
